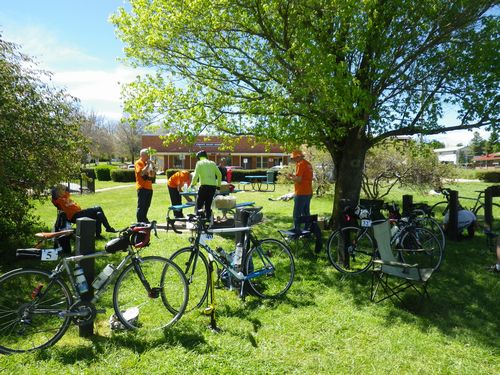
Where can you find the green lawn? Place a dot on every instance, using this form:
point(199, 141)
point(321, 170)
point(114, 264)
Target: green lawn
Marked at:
point(325, 324)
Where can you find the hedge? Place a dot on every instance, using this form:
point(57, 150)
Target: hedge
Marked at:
point(123, 175)
point(488, 176)
point(103, 172)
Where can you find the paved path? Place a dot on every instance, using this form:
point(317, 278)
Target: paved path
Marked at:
point(114, 187)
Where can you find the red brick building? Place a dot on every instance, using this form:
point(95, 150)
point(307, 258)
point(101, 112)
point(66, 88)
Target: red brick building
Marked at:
point(246, 154)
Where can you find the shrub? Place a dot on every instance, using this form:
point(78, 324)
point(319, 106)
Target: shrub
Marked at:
point(89, 172)
point(123, 175)
point(488, 176)
point(103, 173)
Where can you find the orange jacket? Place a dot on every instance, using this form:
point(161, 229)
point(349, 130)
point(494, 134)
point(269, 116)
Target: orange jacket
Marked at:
point(179, 179)
point(64, 203)
point(141, 182)
point(304, 169)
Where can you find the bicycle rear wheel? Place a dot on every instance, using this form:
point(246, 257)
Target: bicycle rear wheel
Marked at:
point(30, 307)
point(197, 278)
point(271, 262)
point(156, 287)
point(427, 249)
point(439, 210)
point(351, 250)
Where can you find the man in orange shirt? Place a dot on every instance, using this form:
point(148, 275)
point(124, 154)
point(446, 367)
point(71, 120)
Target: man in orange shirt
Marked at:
point(144, 175)
point(302, 180)
point(62, 200)
point(175, 184)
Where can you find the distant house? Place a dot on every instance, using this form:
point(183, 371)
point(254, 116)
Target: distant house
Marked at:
point(449, 155)
point(488, 160)
point(246, 154)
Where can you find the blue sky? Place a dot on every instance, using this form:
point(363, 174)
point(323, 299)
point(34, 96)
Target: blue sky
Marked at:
point(74, 40)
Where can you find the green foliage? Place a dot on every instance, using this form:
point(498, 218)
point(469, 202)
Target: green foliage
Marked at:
point(477, 144)
point(103, 172)
point(89, 172)
point(488, 176)
point(123, 175)
point(40, 139)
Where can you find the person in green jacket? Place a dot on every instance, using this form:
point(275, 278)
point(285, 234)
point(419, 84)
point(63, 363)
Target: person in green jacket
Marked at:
point(210, 177)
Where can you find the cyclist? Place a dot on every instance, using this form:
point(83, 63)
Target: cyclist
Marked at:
point(62, 200)
point(210, 178)
point(175, 184)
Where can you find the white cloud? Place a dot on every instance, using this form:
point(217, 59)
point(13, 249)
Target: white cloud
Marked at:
point(42, 44)
point(98, 90)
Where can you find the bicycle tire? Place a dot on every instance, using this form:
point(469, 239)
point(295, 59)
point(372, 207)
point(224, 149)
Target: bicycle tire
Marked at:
point(355, 258)
point(270, 254)
point(480, 208)
point(420, 238)
point(439, 210)
point(159, 308)
point(197, 278)
point(434, 226)
point(41, 326)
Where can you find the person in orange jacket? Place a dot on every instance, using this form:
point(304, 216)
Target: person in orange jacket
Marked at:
point(175, 185)
point(62, 200)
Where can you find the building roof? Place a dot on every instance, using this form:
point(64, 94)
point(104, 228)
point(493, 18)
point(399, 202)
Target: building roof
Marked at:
point(487, 157)
point(211, 144)
point(449, 149)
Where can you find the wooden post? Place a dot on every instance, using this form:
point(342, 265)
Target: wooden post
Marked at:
point(85, 244)
point(407, 205)
point(452, 229)
point(489, 193)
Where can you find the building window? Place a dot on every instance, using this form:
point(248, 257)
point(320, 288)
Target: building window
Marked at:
point(260, 162)
point(178, 161)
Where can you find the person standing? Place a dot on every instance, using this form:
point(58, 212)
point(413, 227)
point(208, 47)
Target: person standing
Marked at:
point(210, 177)
point(144, 175)
point(302, 180)
point(175, 184)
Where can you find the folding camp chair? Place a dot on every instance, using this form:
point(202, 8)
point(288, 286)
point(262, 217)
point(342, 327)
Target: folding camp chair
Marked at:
point(310, 234)
point(408, 275)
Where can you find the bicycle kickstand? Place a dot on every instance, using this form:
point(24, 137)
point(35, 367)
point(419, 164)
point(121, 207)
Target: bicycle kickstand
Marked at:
point(210, 309)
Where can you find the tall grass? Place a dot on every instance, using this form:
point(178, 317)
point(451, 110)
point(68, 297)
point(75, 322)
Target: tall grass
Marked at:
point(324, 325)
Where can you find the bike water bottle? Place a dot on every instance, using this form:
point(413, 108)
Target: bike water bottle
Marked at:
point(103, 276)
point(238, 254)
point(81, 282)
point(225, 256)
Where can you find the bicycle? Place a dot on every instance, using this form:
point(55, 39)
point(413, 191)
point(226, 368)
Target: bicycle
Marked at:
point(352, 249)
point(440, 209)
point(37, 306)
point(267, 267)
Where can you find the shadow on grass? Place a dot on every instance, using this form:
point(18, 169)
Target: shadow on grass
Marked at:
point(463, 296)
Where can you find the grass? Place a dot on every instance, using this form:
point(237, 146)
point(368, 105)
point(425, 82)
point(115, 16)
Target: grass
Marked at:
point(324, 325)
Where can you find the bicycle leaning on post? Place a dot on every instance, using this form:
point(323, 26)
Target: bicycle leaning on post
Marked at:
point(352, 248)
point(267, 265)
point(37, 306)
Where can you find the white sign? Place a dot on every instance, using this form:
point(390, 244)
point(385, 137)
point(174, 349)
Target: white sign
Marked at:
point(245, 160)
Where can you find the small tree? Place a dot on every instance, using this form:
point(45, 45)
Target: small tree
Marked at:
point(412, 165)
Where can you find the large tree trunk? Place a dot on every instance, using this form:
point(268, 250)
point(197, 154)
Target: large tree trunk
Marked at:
point(349, 162)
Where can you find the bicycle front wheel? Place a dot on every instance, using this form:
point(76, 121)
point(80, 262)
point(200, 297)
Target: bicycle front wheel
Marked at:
point(434, 226)
point(155, 288)
point(31, 304)
point(271, 268)
point(196, 275)
point(427, 251)
point(351, 250)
